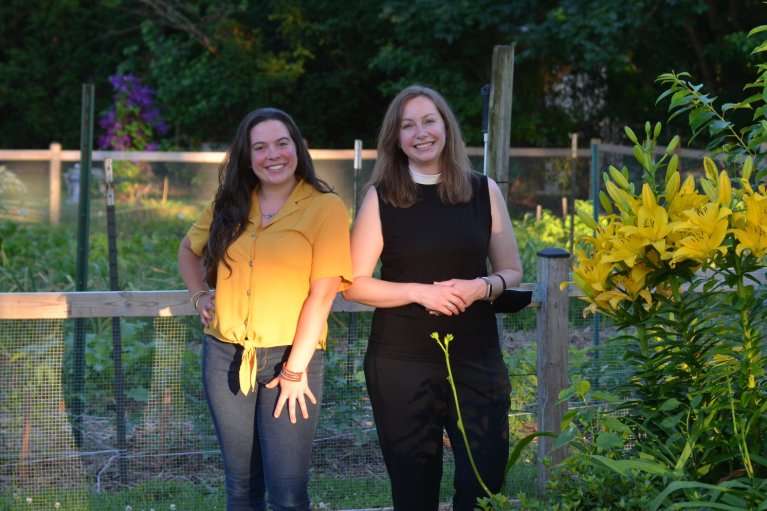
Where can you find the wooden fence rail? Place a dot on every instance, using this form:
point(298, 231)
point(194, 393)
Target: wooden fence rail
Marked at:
point(55, 156)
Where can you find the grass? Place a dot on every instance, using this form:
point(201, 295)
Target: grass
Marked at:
point(155, 495)
point(326, 492)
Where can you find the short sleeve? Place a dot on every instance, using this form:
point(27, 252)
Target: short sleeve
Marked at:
point(200, 230)
point(331, 253)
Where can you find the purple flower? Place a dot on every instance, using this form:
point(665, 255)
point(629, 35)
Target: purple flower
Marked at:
point(132, 112)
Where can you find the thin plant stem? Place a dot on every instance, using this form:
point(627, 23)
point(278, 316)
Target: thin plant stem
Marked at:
point(446, 351)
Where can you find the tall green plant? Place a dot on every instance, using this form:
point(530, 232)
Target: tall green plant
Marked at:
point(676, 264)
point(676, 267)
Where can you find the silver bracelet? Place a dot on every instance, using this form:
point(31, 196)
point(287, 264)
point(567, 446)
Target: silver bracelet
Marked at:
point(489, 287)
point(196, 298)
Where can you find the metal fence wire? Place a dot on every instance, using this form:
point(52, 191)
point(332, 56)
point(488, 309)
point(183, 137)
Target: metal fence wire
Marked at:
point(44, 449)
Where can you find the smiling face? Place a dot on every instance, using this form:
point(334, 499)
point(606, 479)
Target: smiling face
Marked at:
point(273, 154)
point(422, 135)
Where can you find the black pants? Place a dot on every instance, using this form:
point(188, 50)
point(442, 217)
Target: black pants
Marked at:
point(412, 404)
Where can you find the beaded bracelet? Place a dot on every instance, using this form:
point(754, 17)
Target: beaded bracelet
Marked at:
point(502, 279)
point(288, 375)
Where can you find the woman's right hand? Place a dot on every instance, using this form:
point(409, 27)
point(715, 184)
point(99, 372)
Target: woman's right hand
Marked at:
point(439, 299)
point(206, 307)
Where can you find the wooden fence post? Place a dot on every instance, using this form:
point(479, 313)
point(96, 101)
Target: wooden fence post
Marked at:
point(54, 178)
point(499, 129)
point(553, 321)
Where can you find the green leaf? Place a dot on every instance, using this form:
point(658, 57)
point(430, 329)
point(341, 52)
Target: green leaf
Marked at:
point(719, 125)
point(565, 437)
point(582, 388)
point(670, 404)
point(625, 467)
point(614, 424)
point(609, 440)
point(566, 394)
point(681, 98)
point(699, 117)
point(678, 112)
point(762, 47)
point(681, 485)
point(603, 395)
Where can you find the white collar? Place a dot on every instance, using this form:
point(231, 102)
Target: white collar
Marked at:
point(424, 179)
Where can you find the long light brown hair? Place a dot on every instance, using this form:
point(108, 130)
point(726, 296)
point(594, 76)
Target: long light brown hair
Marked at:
point(390, 173)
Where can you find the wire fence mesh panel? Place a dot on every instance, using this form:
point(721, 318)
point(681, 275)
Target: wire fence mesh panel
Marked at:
point(171, 457)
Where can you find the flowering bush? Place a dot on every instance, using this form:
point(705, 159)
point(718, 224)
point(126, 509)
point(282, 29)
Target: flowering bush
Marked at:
point(652, 241)
point(132, 123)
point(678, 264)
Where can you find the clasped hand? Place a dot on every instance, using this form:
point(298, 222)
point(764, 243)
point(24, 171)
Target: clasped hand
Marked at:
point(450, 297)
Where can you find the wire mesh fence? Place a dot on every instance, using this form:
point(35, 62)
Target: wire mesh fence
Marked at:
point(171, 455)
point(45, 452)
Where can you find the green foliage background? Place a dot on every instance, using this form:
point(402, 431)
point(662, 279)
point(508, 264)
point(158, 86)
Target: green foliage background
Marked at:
point(584, 66)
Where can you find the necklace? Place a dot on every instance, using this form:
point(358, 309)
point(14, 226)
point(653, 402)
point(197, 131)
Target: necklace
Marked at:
point(267, 216)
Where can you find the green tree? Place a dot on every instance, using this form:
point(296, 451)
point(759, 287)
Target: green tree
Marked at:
point(47, 51)
point(581, 65)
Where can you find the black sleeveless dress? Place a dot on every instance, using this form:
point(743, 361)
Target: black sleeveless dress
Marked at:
point(429, 242)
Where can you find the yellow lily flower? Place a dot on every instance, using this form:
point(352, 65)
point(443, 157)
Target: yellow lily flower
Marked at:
point(634, 284)
point(685, 199)
point(625, 249)
point(591, 275)
point(752, 238)
point(751, 231)
point(652, 225)
point(706, 228)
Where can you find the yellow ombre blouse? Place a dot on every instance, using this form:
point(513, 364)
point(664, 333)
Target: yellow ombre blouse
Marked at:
point(258, 303)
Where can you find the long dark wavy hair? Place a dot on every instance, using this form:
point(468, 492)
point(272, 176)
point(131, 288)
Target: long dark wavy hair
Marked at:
point(391, 175)
point(236, 183)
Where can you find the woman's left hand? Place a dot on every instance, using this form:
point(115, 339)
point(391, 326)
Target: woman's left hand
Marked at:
point(292, 392)
point(469, 290)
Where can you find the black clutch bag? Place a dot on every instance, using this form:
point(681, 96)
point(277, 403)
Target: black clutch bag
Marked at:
point(513, 299)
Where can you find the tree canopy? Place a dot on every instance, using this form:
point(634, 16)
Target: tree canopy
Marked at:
point(585, 66)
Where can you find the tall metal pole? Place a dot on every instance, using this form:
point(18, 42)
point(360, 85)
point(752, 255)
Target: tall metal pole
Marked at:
point(357, 170)
point(485, 115)
point(595, 200)
point(114, 285)
point(81, 271)
point(352, 333)
point(573, 171)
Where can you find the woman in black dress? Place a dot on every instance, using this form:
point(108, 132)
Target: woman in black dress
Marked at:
point(446, 245)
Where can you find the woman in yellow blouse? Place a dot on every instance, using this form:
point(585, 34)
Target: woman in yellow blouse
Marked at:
point(263, 264)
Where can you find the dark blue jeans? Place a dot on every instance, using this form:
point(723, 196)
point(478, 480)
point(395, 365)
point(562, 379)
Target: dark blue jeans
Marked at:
point(262, 455)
